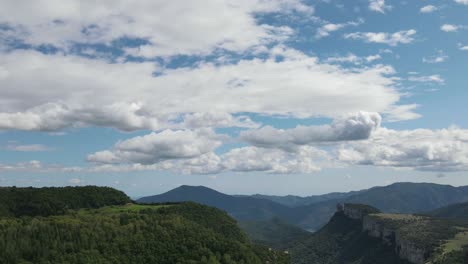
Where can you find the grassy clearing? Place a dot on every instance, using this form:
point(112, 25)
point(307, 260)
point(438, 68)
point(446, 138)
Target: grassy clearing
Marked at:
point(457, 243)
point(402, 217)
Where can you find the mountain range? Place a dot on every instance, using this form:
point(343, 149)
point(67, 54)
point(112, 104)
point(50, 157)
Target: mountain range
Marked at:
point(315, 211)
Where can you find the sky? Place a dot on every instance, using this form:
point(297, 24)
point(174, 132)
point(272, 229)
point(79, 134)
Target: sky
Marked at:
point(248, 96)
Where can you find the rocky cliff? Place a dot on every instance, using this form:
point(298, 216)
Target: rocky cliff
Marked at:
point(386, 228)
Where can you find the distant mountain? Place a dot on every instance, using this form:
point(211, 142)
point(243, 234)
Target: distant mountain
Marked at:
point(241, 208)
point(395, 198)
point(459, 210)
point(295, 201)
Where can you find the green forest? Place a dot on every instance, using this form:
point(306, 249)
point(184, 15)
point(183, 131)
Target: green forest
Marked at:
point(90, 225)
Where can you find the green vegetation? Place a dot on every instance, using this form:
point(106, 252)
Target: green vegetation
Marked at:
point(128, 233)
point(459, 210)
point(55, 201)
point(274, 233)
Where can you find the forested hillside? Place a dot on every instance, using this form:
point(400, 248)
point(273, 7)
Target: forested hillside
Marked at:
point(56, 200)
point(459, 210)
point(130, 233)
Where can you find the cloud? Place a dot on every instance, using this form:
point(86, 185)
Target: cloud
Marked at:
point(74, 181)
point(156, 147)
point(54, 92)
point(438, 58)
point(379, 6)
point(28, 148)
point(449, 28)
point(428, 9)
point(354, 59)
point(326, 29)
point(435, 78)
point(392, 39)
point(461, 47)
point(32, 165)
point(354, 127)
point(225, 25)
point(420, 149)
point(217, 119)
point(463, 2)
point(305, 159)
point(272, 161)
point(401, 113)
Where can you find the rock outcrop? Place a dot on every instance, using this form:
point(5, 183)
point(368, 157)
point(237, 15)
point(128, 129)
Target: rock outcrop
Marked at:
point(385, 227)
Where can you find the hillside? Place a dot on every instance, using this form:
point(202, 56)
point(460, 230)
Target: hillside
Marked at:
point(274, 233)
point(354, 236)
point(130, 233)
point(459, 210)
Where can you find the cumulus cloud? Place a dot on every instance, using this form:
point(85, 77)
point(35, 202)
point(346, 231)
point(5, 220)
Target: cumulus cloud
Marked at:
point(428, 9)
point(379, 6)
point(156, 147)
point(53, 92)
point(355, 127)
point(449, 28)
point(225, 25)
point(305, 159)
point(273, 161)
point(392, 39)
point(420, 149)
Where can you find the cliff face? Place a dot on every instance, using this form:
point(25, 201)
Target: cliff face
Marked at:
point(385, 228)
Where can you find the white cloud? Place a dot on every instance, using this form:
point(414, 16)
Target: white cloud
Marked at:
point(201, 26)
point(32, 165)
point(420, 149)
point(461, 47)
point(428, 9)
point(438, 58)
point(53, 92)
point(401, 113)
point(435, 78)
point(353, 127)
point(156, 147)
point(273, 160)
point(463, 2)
point(326, 29)
point(354, 59)
point(449, 28)
point(74, 181)
point(217, 119)
point(27, 148)
point(392, 39)
point(379, 6)
point(305, 159)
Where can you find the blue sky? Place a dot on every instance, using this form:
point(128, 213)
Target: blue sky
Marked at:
point(278, 97)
